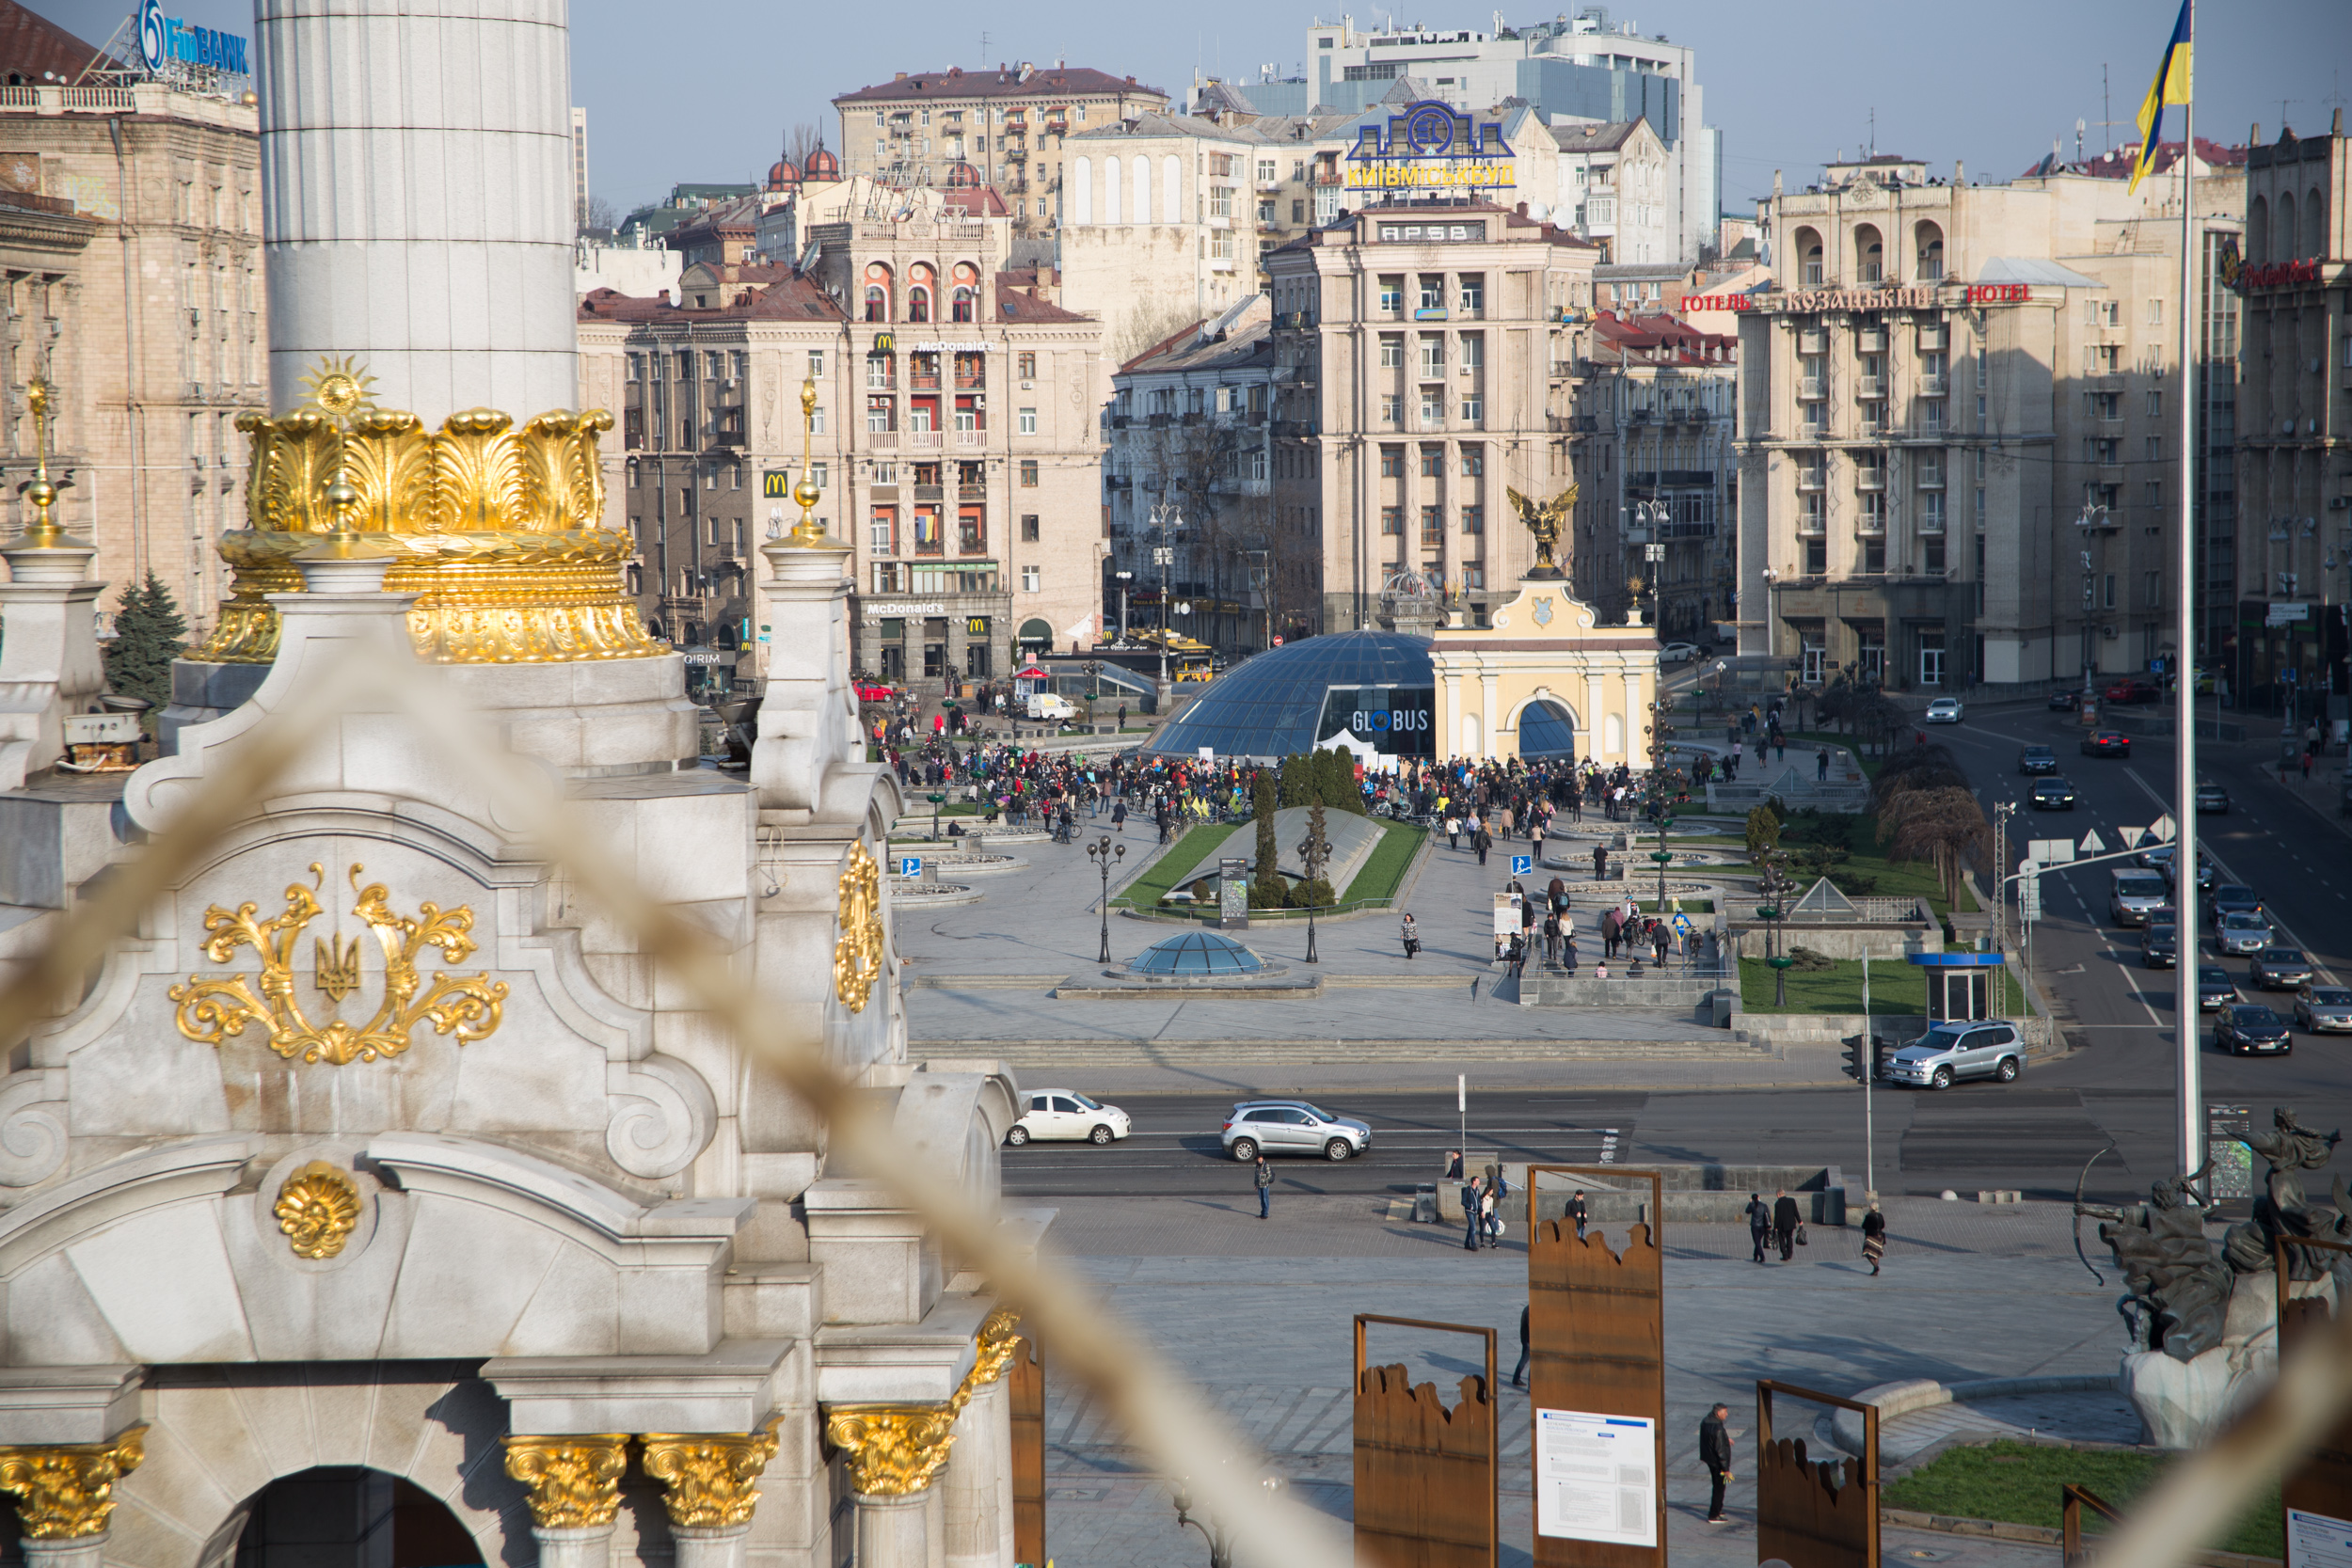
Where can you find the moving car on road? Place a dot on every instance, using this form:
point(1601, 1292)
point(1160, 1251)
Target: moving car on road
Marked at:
point(2037, 759)
point(2134, 896)
point(2215, 989)
point(2324, 1010)
point(871, 693)
point(2280, 969)
point(2160, 860)
point(2250, 1029)
point(1065, 1113)
point(2232, 897)
point(2051, 795)
point(1678, 653)
point(2242, 933)
point(1954, 1051)
point(1944, 710)
point(2065, 702)
point(2131, 692)
point(1291, 1126)
point(2107, 743)
point(2211, 800)
point(2160, 946)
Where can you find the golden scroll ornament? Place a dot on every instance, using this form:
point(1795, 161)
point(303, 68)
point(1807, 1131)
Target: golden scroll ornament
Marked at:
point(575, 1482)
point(318, 1209)
point(895, 1450)
point(216, 1007)
point(709, 1482)
point(857, 957)
point(66, 1493)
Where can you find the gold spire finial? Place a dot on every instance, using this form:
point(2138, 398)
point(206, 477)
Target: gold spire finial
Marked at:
point(808, 533)
point(42, 531)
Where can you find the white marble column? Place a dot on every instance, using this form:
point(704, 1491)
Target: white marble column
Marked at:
point(716, 1546)
point(77, 1551)
point(417, 200)
point(893, 1531)
point(588, 1547)
point(1595, 720)
point(1637, 719)
point(977, 1481)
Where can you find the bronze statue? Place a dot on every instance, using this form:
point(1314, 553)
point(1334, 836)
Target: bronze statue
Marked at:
point(1549, 522)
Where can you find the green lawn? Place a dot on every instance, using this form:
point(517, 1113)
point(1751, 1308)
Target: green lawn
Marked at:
point(1689, 905)
point(1183, 858)
point(1896, 987)
point(2018, 1484)
point(1383, 871)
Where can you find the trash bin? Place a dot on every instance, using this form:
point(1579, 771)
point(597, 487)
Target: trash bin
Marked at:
point(1425, 1204)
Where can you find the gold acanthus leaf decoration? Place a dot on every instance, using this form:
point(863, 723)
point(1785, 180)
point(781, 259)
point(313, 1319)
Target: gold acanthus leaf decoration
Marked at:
point(575, 1482)
point(217, 1008)
point(66, 1493)
point(709, 1482)
point(318, 1209)
point(895, 1450)
point(857, 957)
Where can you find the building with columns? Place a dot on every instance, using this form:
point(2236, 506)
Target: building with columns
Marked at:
point(1543, 649)
point(378, 1201)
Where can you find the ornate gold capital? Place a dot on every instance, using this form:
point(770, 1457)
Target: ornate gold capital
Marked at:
point(999, 1344)
point(68, 1493)
point(894, 1450)
point(318, 1209)
point(575, 1482)
point(707, 1479)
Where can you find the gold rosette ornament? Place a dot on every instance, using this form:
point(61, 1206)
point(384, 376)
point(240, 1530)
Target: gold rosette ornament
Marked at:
point(497, 530)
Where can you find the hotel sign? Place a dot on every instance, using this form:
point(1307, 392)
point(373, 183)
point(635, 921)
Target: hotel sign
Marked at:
point(1430, 147)
point(1860, 299)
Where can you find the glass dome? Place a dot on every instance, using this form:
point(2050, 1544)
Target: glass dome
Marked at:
point(1268, 706)
point(1196, 954)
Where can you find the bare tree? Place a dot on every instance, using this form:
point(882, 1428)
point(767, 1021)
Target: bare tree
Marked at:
point(1945, 826)
point(802, 140)
point(1147, 325)
point(1200, 462)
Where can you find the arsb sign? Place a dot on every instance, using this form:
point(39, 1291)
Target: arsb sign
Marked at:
point(166, 40)
point(1395, 720)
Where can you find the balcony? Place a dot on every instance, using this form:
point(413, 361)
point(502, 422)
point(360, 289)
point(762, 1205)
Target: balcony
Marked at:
point(1931, 480)
point(1813, 526)
point(1870, 480)
point(1869, 387)
point(924, 381)
point(1869, 528)
point(1935, 386)
point(930, 492)
point(971, 438)
point(883, 441)
point(1812, 388)
point(923, 440)
point(972, 492)
point(1017, 155)
point(1812, 481)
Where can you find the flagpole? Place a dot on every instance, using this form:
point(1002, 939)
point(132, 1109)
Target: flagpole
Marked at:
point(2192, 1137)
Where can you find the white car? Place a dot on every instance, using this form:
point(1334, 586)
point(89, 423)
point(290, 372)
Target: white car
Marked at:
point(1678, 653)
point(1944, 710)
point(1068, 1114)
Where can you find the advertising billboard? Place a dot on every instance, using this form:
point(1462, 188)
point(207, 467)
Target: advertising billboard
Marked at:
point(1392, 720)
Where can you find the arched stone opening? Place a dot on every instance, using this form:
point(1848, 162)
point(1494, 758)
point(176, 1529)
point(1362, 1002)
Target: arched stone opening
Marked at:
point(350, 1516)
point(1547, 729)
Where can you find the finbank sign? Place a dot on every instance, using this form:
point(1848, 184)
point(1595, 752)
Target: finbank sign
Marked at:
point(1430, 147)
point(164, 40)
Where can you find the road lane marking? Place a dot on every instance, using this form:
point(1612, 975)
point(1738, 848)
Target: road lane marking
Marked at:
point(2222, 872)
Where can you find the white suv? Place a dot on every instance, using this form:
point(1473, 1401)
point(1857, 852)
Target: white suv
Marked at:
point(1957, 1050)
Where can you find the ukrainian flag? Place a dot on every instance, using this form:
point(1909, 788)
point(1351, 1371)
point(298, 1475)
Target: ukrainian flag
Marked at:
point(2170, 86)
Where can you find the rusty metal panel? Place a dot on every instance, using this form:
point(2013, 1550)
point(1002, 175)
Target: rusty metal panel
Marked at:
point(1596, 1335)
point(1425, 1476)
point(1027, 1380)
point(1815, 1514)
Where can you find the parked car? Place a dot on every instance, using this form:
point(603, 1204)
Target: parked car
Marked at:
point(2250, 1028)
point(2037, 759)
point(2133, 896)
point(2131, 692)
point(1949, 1051)
point(2065, 702)
point(2280, 969)
point(2231, 897)
point(2242, 933)
point(868, 694)
point(2107, 743)
point(1944, 710)
point(1051, 704)
point(2324, 1010)
point(2211, 800)
point(1678, 653)
point(2160, 946)
point(2052, 795)
point(1291, 1126)
point(1065, 1113)
point(2215, 989)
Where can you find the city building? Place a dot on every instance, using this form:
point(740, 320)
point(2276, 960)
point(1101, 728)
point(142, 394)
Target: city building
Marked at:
point(1572, 70)
point(579, 167)
point(1189, 433)
point(954, 439)
point(1613, 186)
point(1416, 350)
point(2294, 289)
point(134, 255)
point(650, 225)
point(1005, 128)
point(1959, 429)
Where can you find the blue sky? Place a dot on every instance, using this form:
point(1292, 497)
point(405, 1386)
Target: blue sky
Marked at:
point(702, 91)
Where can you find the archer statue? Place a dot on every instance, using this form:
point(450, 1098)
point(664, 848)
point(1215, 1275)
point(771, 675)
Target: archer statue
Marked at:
point(1549, 522)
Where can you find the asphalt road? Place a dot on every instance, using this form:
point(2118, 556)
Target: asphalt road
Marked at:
point(2034, 1136)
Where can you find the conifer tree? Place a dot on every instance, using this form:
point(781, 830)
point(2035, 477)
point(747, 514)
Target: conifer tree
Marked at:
point(1266, 889)
point(150, 633)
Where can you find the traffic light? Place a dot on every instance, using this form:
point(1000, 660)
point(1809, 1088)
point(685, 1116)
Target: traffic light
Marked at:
point(1858, 1063)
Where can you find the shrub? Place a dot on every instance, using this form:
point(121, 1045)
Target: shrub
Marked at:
point(1809, 960)
point(1763, 830)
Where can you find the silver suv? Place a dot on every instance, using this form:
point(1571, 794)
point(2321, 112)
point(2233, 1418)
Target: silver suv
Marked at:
point(1952, 1051)
point(1291, 1126)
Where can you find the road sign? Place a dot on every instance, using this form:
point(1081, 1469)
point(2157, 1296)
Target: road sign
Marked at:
point(2163, 828)
point(2051, 852)
point(2131, 836)
point(2092, 844)
point(1522, 866)
point(2029, 891)
point(909, 865)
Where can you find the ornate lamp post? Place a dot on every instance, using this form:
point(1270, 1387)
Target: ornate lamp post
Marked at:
point(1219, 1538)
point(937, 798)
point(1775, 887)
point(1105, 854)
point(1314, 853)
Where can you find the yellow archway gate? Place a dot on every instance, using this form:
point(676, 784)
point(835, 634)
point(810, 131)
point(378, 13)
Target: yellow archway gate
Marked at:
point(1545, 646)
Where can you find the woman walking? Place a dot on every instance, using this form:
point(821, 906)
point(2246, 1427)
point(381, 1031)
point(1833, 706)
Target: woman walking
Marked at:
point(1411, 933)
point(1873, 1238)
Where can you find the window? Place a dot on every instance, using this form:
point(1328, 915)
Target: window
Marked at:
point(2156, 448)
point(1473, 410)
point(1391, 352)
point(882, 373)
point(1028, 528)
point(1392, 519)
point(1815, 564)
point(1391, 408)
point(2109, 586)
point(1432, 461)
point(658, 361)
point(1220, 201)
point(1931, 512)
point(1392, 462)
point(1933, 552)
point(1473, 519)
point(2155, 399)
point(1392, 295)
point(1029, 421)
point(1874, 558)
point(2156, 312)
point(714, 364)
point(1031, 576)
point(686, 365)
point(1026, 366)
point(820, 474)
point(2152, 590)
point(2153, 495)
point(816, 421)
point(972, 533)
point(1432, 407)
point(1431, 290)
point(1266, 174)
point(735, 477)
point(2107, 405)
point(1473, 575)
point(1432, 359)
point(1432, 526)
point(1265, 212)
point(2107, 358)
point(1028, 473)
point(883, 533)
point(1474, 293)
point(1474, 462)
point(1299, 211)
point(1473, 352)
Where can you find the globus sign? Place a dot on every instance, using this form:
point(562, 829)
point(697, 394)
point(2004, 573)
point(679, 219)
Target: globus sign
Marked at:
point(1394, 720)
point(164, 40)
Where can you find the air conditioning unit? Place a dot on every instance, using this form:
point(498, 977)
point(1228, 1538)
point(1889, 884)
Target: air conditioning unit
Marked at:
point(2108, 632)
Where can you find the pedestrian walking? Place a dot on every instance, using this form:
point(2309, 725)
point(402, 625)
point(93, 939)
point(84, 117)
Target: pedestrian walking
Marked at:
point(1661, 939)
point(1489, 1224)
point(1453, 1164)
point(1578, 1214)
point(1264, 1175)
point(1600, 862)
point(1453, 832)
point(1411, 934)
point(1470, 1215)
point(1123, 717)
point(1519, 1372)
point(1785, 1224)
point(1119, 817)
point(1820, 764)
point(1715, 1453)
point(1760, 1224)
point(1551, 941)
point(1567, 944)
point(1610, 928)
point(1873, 1237)
point(1481, 841)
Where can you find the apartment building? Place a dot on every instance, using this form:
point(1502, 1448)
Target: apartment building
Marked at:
point(1187, 471)
point(1613, 185)
point(1417, 350)
point(133, 249)
point(1007, 128)
point(954, 440)
point(2294, 420)
point(1959, 426)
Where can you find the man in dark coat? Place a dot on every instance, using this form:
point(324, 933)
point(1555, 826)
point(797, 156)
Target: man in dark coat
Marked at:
point(1785, 1224)
point(1760, 1224)
point(1471, 1192)
point(1264, 1176)
point(1600, 862)
point(1520, 1372)
point(1576, 1213)
point(1715, 1453)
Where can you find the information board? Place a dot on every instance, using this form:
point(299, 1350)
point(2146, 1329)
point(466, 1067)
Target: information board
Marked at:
point(1232, 891)
point(2227, 1127)
point(2316, 1541)
point(1596, 1477)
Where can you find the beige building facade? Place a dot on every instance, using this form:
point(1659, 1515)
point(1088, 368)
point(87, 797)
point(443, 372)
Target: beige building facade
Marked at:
point(1416, 352)
point(1541, 648)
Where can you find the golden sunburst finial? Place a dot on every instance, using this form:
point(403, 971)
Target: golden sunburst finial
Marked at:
point(339, 388)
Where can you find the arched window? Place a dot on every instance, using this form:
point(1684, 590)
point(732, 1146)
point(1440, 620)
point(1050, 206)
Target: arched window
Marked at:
point(1082, 191)
point(1171, 189)
point(1143, 190)
point(918, 304)
point(1929, 243)
point(2282, 230)
point(1870, 254)
point(2258, 230)
point(876, 303)
point(2315, 225)
point(1808, 259)
point(962, 303)
point(1111, 172)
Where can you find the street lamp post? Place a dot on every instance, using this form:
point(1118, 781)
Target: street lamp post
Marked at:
point(1775, 888)
point(1105, 854)
point(1166, 518)
point(1124, 579)
point(1218, 1536)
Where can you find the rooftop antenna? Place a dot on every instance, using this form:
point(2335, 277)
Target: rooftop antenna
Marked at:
point(2079, 128)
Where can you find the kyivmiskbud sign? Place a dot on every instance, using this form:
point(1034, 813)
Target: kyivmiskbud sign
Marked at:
point(1431, 147)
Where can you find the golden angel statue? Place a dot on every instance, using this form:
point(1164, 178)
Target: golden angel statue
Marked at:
point(1549, 522)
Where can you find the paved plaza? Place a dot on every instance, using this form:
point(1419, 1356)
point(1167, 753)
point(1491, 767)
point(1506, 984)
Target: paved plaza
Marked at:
point(1259, 1315)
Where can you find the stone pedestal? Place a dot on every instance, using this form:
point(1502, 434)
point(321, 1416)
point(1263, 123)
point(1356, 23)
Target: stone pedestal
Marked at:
point(892, 1532)
point(808, 722)
point(49, 660)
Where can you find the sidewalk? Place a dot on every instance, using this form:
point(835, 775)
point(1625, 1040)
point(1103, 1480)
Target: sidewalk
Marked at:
point(1259, 1313)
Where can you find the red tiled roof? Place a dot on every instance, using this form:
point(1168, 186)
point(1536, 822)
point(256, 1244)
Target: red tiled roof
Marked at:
point(1174, 340)
point(955, 82)
point(1019, 305)
point(31, 45)
point(974, 202)
point(790, 298)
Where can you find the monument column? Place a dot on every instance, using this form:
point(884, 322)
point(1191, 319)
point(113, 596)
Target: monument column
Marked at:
point(895, 1452)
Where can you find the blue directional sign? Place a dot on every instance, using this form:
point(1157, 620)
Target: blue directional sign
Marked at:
point(1522, 866)
point(909, 865)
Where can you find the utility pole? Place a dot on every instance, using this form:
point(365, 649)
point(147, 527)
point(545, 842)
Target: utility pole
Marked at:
point(1870, 1070)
